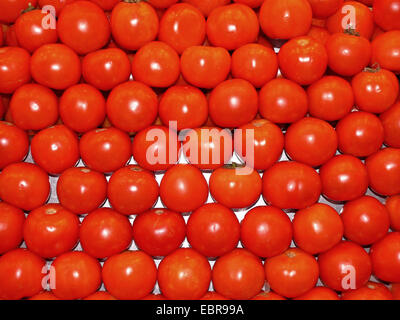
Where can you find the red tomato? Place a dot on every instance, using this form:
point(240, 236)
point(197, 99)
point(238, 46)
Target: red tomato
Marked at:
point(391, 123)
point(206, 6)
point(371, 291)
point(345, 266)
point(159, 232)
point(213, 296)
point(285, 19)
point(14, 68)
point(238, 274)
point(213, 230)
point(393, 207)
point(14, 144)
point(324, 9)
point(268, 296)
point(344, 178)
point(81, 190)
point(291, 185)
point(11, 9)
point(320, 34)
point(51, 230)
point(45, 295)
point(24, 185)
point(161, 4)
point(105, 150)
point(283, 101)
point(11, 227)
point(319, 293)
point(386, 14)
point(104, 232)
point(266, 231)
point(76, 275)
point(395, 290)
point(21, 274)
point(153, 296)
point(57, 4)
point(385, 50)
point(292, 273)
point(129, 275)
point(100, 295)
point(385, 257)
point(184, 275)
point(106, 5)
point(10, 36)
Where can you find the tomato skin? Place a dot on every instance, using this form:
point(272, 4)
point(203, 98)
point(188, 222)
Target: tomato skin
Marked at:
point(184, 275)
point(77, 275)
point(100, 295)
point(344, 178)
point(319, 293)
point(81, 190)
point(120, 111)
point(11, 222)
point(10, 9)
point(51, 230)
point(268, 296)
point(14, 144)
point(266, 231)
point(213, 230)
point(391, 123)
point(21, 274)
point(206, 6)
point(291, 185)
point(14, 68)
point(393, 207)
point(385, 50)
point(162, 4)
point(324, 9)
point(386, 14)
point(153, 296)
point(106, 5)
point(285, 19)
point(394, 288)
point(371, 291)
point(213, 296)
point(57, 4)
point(238, 275)
point(24, 185)
point(385, 257)
point(45, 295)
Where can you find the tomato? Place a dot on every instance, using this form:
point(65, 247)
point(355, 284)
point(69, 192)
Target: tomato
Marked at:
point(311, 141)
point(395, 290)
point(291, 185)
point(106, 5)
point(105, 150)
point(10, 36)
point(266, 231)
point(344, 178)
point(81, 190)
point(254, 63)
point(104, 232)
point(303, 60)
point(159, 232)
point(213, 296)
point(385, 50)
point(24, 185)
point(384, 171)
point(235, 186)
point(184, 275)
point(14, 144)
point(57, 4)
point(320, 34)
point(45, 295)
point(76, 275)
point(204, 66)
point(21, 273)
point(393, 207)
point(161, 4)
point(206, 6)
point(55, 66)
point(386, 14)
point(106, 68)
point(129, 275)
point(268, 296)
point(82, 108)
point(213, 230)
point(371, 291)
point(14, 68)
point(51, 230)
point(319, 293)
point(285, 19)
point(283, 101)
point(11, 9)
point(100, 295)
point(134, 24)
point(11, 225)
point(132, 106)
point(324, 9)
point(238, 274)
point(2, 108)
point(156, 64)
point(385, 257)
point(153, 296)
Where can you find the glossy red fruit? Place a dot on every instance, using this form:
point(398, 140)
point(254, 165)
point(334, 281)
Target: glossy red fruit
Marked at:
point(100, 295)
point(371, 291)
point(45, 295)
point(11, 221)
point(14, 68)
point(14, 144)
point(106, 5)
point(324, 9)
point(213, 296)
point(206, 6)
point(10, 9)
point(393, 207)
point(390, 120)
point(319, 293)
point(385, 50)
point(264, 295)
point(386, 14)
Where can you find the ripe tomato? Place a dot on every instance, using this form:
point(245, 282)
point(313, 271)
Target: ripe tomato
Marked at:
point(391, 123)
point(10, 39)
point(235, 186)
point(213, 296)
point(14, 144)
point(386, 14)
point(24, 185)
point(81, 190)
point(319, 293)
point(104, 232)
point(11, 225)
point(100, 295)
point(11, 9)
point(268, 296)
point(324, 9)
point(21, 274)
point(51, 230)
point(184, 275)
point(132, 190)
point(238, 274)
point(105, 150)
point(384, 171)
point(344, 178)
point(57, 4)
point(317, 229)
point(159, 232)
point(213, 230)
point(385, 50)
point(371, 291)
point(45, 295)
point(291, 185)
point(55, 66)
point(153, 296)
point(162, 4)
point(395, 290)
point(204, 66)
point(393, 207)
point(129, 275)
point(283, 101)
point(14, 68)
point(206, 6)
point(385, 257)
point(76, 275)
point(132, 106)
point(320, 34)
point(285, 19)
point(266, 231)
point(106, 5)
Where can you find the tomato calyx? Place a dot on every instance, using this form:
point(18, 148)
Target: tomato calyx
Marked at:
point(30, 8)
point(234, 165)
point(132, 1)
point(373, 69)
point(352, 32)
